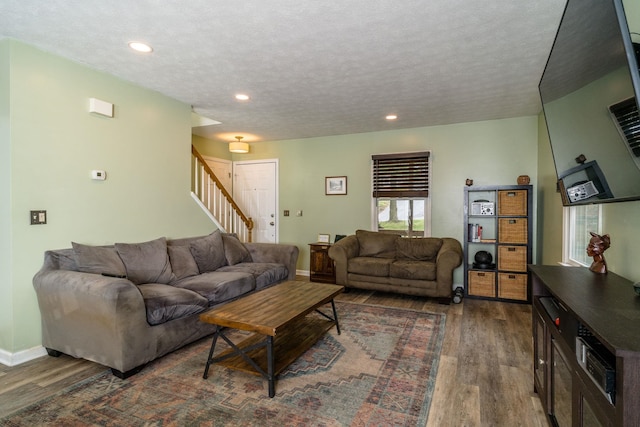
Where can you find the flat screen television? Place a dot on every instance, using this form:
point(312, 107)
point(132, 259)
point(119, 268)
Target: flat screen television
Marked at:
point(589, 91)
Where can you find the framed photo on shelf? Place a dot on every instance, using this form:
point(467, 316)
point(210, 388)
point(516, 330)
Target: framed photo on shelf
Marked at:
point(335, 185)
point(324, 238)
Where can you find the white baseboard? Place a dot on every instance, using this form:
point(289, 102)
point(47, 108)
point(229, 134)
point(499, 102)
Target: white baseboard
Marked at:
point(13, 359)
point(302, 273)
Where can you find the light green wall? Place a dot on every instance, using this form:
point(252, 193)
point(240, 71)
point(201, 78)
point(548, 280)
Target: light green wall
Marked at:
point(620, 221)
point(55, 143)
point(490, 152)
point(549, 209)
point(207, 148)
point(632, 11)
point(6, 306)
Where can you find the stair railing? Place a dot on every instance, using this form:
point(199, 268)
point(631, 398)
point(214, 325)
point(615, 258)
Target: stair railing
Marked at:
point(216, 200)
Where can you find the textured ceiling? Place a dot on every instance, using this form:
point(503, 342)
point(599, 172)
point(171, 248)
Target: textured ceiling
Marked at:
point(311, 68)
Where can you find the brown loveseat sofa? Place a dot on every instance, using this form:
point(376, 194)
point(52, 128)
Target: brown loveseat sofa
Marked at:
point(127, 304)
point(388, 262)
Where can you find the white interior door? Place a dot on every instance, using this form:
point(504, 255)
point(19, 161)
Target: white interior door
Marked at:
point(255, 189)
point(222, 169)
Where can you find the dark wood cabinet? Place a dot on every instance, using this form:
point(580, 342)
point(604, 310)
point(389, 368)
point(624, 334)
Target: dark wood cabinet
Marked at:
point(321, 268)
point(586, 335)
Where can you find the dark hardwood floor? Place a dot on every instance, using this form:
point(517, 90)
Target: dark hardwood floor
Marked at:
point(484, 373)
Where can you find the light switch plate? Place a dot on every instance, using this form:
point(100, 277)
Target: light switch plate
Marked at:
point(38, 217)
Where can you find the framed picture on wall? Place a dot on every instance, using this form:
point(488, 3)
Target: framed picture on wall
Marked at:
point(335, 185)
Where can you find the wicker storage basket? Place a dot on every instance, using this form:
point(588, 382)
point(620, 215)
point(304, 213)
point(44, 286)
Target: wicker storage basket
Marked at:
point(512, 202)
point(482, 283)
point(512, 286)
point(512, 258)
point(512, 230)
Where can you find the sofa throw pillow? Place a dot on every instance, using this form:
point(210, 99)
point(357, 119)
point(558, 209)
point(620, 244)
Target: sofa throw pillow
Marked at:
point(146, 262)
point(182, 262)
point(98, 260)
point(234, 251)
point(208, 252)
point(374, 244)
point(418, 249)
point(63, 259)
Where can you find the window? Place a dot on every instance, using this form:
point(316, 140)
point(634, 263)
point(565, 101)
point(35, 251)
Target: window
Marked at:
point(401, 193)
point(579, 221)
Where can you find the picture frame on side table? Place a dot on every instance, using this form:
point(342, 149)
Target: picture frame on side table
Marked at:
point(335, 185)
point(324, 238)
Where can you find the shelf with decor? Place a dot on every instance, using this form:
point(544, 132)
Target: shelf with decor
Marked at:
point(497, 242)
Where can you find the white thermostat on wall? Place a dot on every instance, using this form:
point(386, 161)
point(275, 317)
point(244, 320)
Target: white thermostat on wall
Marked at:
point(98, 175)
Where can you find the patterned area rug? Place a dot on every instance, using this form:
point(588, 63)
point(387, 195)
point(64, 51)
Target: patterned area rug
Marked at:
point(380, 371)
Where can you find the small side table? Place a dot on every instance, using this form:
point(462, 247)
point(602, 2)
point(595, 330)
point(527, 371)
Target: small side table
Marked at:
point(321, 267)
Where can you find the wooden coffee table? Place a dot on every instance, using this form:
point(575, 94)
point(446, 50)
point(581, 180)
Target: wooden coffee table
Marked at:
point(283, 331)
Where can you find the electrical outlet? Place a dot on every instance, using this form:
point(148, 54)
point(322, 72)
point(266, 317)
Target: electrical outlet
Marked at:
point(38, 217)
point(286, 212)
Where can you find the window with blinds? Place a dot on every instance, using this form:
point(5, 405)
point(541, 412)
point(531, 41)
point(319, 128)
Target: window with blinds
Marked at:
point(628, 123)
point(401, 175)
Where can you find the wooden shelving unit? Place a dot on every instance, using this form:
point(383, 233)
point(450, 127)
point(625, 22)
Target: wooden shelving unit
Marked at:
point(498, 220)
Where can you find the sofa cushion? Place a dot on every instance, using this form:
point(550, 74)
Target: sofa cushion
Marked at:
point(146, 262)
point(98, 260)
point(234, 251)
point(62, 259)
point(374, 244)
point(418, 249)
point(264, 273)
point(165, 302)
point(417, 270)
point(182, 262)
point(218, 286)
point(208, 252)
point(370, 266)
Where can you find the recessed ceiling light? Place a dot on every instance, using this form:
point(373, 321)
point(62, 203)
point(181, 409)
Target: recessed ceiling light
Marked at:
point(242, 97)
point(140, 47)
point(391, 117)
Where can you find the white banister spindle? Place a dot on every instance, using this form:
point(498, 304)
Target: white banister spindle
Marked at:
point(214, 199)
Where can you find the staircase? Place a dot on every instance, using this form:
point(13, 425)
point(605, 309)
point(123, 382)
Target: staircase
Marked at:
point(212, 197)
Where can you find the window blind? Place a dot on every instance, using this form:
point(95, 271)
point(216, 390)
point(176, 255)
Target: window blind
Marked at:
point(401, 175)
point(628, 121)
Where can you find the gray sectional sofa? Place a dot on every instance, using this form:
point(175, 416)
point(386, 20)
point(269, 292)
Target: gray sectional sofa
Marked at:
point(387, 262)
point(127, 304)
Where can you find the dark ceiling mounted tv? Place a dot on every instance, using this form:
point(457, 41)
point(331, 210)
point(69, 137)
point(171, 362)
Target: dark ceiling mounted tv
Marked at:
point(589, 91)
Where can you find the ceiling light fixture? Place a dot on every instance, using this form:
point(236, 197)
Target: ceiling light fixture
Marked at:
point(391, 117)
point(140, 47)
point(242, 97)
point(239, 146)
